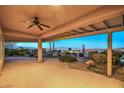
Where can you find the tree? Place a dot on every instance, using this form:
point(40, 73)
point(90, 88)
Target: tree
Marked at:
point(50, 46)
point(53, 45)
point(69, 49)
point(83, 48)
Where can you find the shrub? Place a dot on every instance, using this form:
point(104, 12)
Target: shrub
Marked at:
point(67, 53)
point(90, 63)
point(115, 60)
point(10, 52)
point(115, 56)
point(74, 54)
point(31, 55)
point(81, 54)
point(90, 54)
point(21, 53)
point(121, 61)
point(100, 58)
point(67, 59)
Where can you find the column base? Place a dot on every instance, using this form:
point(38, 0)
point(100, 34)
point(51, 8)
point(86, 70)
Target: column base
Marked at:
point(109, 76)
point(40, 62)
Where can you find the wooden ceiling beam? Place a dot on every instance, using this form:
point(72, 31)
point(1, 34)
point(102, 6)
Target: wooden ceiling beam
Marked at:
point(83, 30)
point(59, 36)
point(73, 32)
point(19, 34)
point(100, 14)
point(76, 31)
point(9, 40)
point(67, 33)
point(91, 26)
point(105, 25)
point(122, 20)
point(114, 29)
point(79, 30)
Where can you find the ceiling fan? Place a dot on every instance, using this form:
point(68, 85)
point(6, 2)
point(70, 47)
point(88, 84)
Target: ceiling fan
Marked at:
point(36, 22)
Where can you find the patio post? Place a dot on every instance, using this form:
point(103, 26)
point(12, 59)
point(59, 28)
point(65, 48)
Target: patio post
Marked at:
point(1, 50)
point(109, 54)
point(39, 50)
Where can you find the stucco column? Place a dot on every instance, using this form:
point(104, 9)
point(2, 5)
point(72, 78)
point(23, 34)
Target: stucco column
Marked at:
point(1, 50)
point(109, 55)
point(39, 50)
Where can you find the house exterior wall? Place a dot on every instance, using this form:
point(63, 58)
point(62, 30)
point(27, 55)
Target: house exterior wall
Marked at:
point(1, 50)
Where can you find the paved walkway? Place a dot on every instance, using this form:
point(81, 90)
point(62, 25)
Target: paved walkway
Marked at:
point(26, 72)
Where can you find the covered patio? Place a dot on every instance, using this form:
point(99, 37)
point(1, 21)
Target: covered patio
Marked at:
point(65, 22)
point(51, 74)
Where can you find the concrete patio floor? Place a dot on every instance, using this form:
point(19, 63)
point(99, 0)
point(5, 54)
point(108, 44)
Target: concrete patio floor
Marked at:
point(27, 73)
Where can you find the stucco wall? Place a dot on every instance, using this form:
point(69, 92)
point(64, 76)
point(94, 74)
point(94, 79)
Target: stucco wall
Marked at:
point(1, 50)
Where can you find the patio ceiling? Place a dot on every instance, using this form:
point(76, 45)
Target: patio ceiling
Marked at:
point(113, 24)
point(65, 21)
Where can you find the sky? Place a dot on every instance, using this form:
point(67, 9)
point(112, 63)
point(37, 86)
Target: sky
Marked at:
point(94, 41)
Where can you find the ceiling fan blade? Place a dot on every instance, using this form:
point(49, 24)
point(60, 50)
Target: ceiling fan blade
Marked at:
point(30, 26)
point(45, 25)
point(26, 21)
point(40, 27)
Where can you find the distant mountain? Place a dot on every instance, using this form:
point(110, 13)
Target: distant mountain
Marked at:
point(66, 48)
point(119, 48)
point(76, 48)
point(15, 47)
